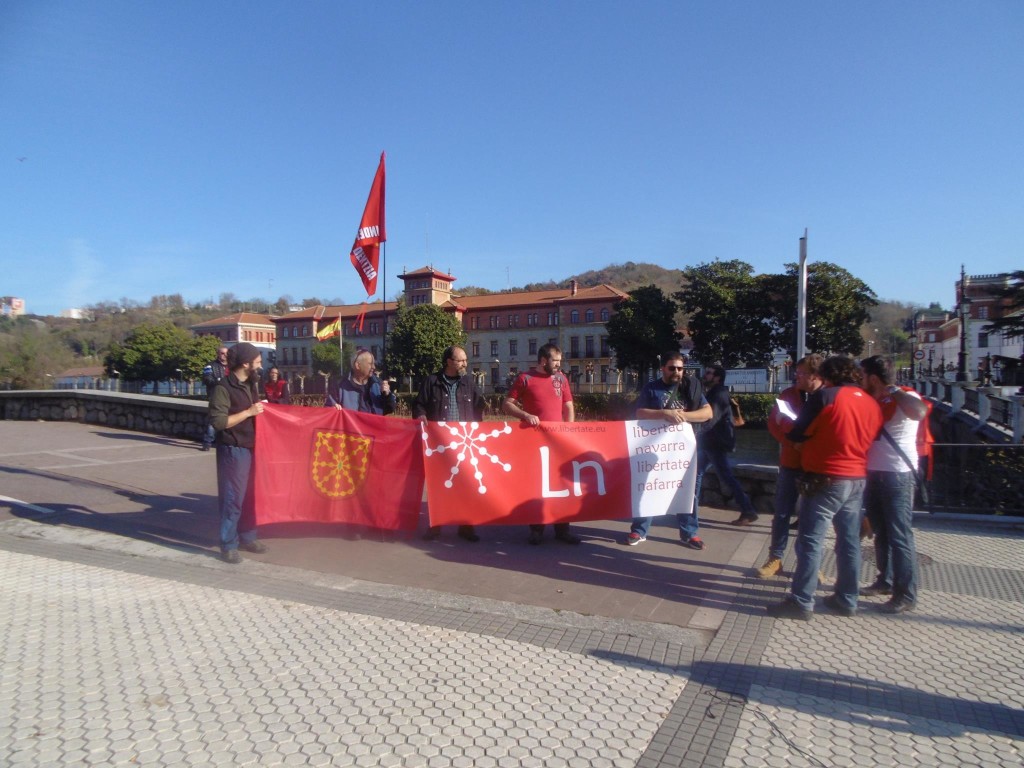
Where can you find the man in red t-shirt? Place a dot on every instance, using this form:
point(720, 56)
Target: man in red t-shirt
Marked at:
point(542, 394)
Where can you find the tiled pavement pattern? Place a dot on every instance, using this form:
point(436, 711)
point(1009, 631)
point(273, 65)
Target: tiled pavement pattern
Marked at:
point(940, 686)
point(146, 671)
point(115, 657)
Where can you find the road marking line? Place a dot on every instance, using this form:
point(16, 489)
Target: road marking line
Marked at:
point(26, 505)
point(125, 461)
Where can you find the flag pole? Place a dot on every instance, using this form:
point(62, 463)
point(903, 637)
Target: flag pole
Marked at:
point(384, 305)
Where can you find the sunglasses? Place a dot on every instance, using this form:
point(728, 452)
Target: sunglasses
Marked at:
point(674, 367)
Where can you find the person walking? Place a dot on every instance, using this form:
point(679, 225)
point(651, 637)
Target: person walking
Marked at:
point(717, 439)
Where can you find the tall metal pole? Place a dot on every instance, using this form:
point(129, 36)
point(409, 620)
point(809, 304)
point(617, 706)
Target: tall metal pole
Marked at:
point(801, 301)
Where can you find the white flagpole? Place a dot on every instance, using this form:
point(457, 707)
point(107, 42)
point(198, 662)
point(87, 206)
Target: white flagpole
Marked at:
point(801, 301)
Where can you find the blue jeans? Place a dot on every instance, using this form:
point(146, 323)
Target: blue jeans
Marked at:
point(235, 496)
point(786, 499)
point(209, 435)
point(720, 461)
point(889, 502)
point(840, 504)
point(688, 525)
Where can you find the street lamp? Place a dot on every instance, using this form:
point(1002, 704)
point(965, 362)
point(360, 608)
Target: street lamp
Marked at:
point(965, 313)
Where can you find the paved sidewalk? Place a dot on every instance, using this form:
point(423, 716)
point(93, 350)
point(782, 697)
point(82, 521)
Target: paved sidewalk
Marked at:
point(126, 643)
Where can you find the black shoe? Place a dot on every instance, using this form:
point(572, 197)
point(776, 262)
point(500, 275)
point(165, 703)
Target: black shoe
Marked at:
point(205, 447)
point(231, 556)
point(832, 603)
point(876, 589)
point(256, 547)
point(536, 537)
point(744, 520)
point(787, 609)
point(432, 533)
point(567, 538)
point(466, 532)
point(898, 605)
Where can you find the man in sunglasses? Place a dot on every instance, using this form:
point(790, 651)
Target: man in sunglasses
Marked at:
point(675, 398)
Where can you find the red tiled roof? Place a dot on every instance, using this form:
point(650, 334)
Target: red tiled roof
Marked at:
point(239, 318)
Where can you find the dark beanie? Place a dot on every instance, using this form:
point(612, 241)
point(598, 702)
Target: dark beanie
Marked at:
point(240, 354)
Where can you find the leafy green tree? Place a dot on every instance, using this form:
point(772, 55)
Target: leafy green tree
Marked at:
point(31, 356)
point(642, 328)
point(152, 352)
point(198, 352)
point(326, 357)
point(731, 322)
point(418, 338)
point(838, 304)
point(1011, 325)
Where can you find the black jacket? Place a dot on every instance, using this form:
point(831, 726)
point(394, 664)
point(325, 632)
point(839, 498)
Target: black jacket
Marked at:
point(718, 433)
point(230, 397)
point(432, 400)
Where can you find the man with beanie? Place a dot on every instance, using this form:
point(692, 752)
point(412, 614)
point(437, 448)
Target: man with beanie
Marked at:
point(234, 406)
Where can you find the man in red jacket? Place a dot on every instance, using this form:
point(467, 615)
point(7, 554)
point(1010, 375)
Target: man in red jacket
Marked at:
point(808, 381)
point(834, 431)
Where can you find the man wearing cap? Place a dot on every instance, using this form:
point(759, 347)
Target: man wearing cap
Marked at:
point(234, 406)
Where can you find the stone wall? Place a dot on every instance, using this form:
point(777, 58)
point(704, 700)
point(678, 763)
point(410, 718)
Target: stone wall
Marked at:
point(757, 480)
point(145, 413)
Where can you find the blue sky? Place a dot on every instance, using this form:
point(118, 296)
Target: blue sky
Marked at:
point(207, 147)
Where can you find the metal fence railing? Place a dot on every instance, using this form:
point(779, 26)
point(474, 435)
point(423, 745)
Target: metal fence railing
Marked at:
point(977, 479)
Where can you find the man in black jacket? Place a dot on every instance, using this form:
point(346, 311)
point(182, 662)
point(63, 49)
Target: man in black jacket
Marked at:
point(234, 406)
point(213, 373)
point(450, 395)
point(717, 440)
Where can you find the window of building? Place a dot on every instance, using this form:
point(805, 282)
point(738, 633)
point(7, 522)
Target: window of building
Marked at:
point(494, 321)
point(982, 340)
point(552, 318)
point(533, 347)
point(589, 317)
point(303, 355)
point(604, 315)
point(605, 349)
point(513, 348)
point(983, 313)
point(475, 323)
point(494, 349)
point(604, 374)
point(476, 349)
point(374, 327)
point(574, 317)
point(574, 346)
point(588, 346)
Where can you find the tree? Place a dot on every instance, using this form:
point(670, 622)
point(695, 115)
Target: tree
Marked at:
point(1011, 325)
point(197, 353)
point(731, 322)
point(838, 304)
point(418, 338)
point(30, 355)
point(152, 352)
point(326, 357)
point(643, 328)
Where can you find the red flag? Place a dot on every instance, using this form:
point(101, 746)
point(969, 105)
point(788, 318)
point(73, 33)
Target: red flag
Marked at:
point(332, 466)
point(496, 473)
point(365, 255)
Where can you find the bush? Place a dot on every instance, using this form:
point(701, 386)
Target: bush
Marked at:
point(756, 408)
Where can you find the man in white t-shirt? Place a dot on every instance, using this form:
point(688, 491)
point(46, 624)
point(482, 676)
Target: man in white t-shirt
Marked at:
point(889, 495)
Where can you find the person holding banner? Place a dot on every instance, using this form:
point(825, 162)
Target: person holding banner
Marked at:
point(450, 395)
point(675, 398)
point(362, 390)
point(543, 394)
point(234, 406)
